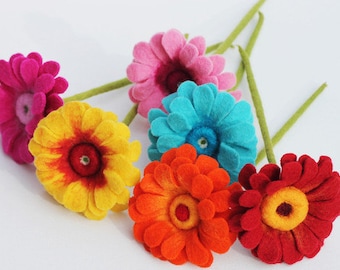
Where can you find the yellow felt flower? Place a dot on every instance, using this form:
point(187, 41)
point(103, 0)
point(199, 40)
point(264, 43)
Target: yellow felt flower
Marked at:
point(84, 160)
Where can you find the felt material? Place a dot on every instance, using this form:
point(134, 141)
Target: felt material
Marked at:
point(167, 60)
point(84, 160)
point(212, 121)
point(29, 91)
point(179, 205)
point(284, 214)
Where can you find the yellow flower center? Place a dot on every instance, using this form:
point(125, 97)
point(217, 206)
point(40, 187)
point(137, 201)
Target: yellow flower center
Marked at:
point(285, 209)
point(183, 212)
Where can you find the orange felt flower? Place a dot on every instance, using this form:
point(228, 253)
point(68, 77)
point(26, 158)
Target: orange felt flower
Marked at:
point(180, 207)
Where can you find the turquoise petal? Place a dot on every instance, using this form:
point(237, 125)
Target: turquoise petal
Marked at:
point(224, 103)
point(240, 113)
point(229, 159)
point(183, 106)
point(186, 89)
point(166, 142)
point(155, 113)
point(203, 100)
point(166, 101)
point(179, 123)
point(153, 153)
point(239, 133)
point(160, 126)
point(152, 138)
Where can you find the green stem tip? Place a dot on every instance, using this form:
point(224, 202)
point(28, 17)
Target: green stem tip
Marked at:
point(130, 115)
point(291, 121)
point(239, 27)
point(258, 107)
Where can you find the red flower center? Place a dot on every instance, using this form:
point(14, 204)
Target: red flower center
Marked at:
point(182, 212)
point(85, 159)
point(284, 209)
point(175, 78)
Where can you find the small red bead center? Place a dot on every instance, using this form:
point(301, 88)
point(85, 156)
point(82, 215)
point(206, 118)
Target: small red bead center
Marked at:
point(85, 159)
point(182, 212)
point(284, 209)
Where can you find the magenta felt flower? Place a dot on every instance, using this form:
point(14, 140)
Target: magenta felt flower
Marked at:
point(29, 90)
point(159, 66)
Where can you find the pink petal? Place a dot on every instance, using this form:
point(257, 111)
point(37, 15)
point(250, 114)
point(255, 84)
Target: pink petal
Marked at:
point(226, 80)
point(9, 135)
point(188, 54)
point(173, 41)
point(44, 83)
point(201, 66)
point(39, 103)
point(7, 77)
point(32, 125)
point(50, 67)
point(157, 48)
point(142, 91)
point(218, 63)
point(7, 101)
point(60, 85)
point(154, 101)
point(29, 72)
point(237, 94)
point(143, 54)
point(138, 72)
point(199, 43)
point(21, 153)
point(15, 63)
point(53, 102)
point(36, 56)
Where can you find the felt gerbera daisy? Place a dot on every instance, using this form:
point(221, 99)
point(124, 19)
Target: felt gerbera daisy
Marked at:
point(159, 66)
point(84, 160)
point(29, 90)
point(286, 213)
point(212, 121)
point(180, 207)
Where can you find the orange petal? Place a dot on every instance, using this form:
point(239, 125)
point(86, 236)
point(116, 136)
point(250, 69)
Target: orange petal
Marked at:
point(201, 186)
point(188, 151)
point(150, 203)
point(220, 200)
point(196, 252)
point(149, 185)
point(206, 209)
point(185, 174)
point(164, 177)
point(169, 156)
point(155, 233)
point(206, 164)
point(220, 178)
point(173, 245)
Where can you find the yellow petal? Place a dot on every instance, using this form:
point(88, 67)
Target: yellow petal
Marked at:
point(124, 168)
point(104, 130)
point(114, 181)
point(57, 124)
point(104, 198)
point(73, 113)
point(120, 207)
point(47, 162)
point(124, 197)
point(92, 211)
point(76, 197)
point(44, 136)
point(99, 216)
point(135, 150)
point(91, 119)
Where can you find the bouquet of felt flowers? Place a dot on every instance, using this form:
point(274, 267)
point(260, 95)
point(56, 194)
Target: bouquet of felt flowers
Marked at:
point(201, 190)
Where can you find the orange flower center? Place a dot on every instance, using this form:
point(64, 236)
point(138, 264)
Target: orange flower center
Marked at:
point(85, 159)
point(285, 209)
point(183, 212)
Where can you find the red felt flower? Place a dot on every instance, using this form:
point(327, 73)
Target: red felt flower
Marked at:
point(180, 207)
point(285, 214)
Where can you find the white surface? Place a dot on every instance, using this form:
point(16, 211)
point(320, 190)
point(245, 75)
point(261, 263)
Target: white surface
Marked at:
point(298, 50)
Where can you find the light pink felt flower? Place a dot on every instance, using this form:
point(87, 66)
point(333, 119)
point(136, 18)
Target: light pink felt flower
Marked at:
point(159, 66)
point(29, 90)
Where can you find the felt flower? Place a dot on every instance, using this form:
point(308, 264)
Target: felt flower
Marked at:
point(286, 214)
point(84, 160)
point(29, 90)
point(180, 207)
point(167, 60)
point(212, 121)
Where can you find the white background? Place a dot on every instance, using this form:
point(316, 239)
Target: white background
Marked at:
point(298, 50)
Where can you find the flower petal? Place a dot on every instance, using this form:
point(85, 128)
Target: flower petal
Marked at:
point(269, 249)
point(197, 253)
point(307, 243)
point(143, 54)
point(290, 252)
point(173, 245)
point(29, 71)
point(203, 100)
point(76, 196)
point(155, 233)
point(251, 239)
point(173, 41)
point(104, 198)
point(137, 72)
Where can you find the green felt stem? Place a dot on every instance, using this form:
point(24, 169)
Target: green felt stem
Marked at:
point(239, 27)
point(258, 107)
point(99, 90)
point(291, 121)
point(248, 49)
point(130, 115)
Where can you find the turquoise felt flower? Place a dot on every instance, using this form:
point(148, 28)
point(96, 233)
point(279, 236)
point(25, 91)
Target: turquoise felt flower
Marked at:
point(212, 121)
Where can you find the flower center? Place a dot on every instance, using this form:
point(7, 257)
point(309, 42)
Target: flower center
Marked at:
point(23, 108)
point(85, 159)
point(183, 212)
point(175, 78)
point(204, 139)
point(285, 209)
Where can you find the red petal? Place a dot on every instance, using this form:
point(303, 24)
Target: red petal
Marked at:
point(250, 198)
point(325, 210)
point(251, 239)
point(290, 252)
point(271, 170)
point(251, 219)
point(269, 250)
point(321, 228)
point(307, 243)
point(289, 157)
point(259, 181)
point(244, 175)
point(329, 189)
point(291, 172)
